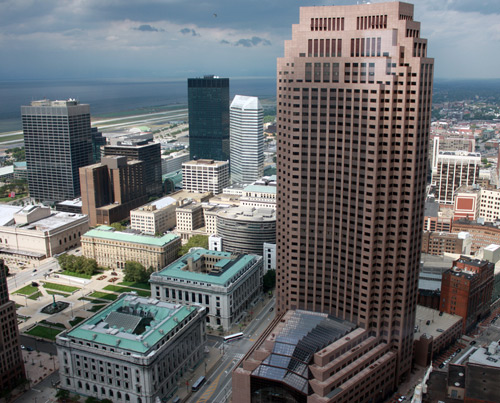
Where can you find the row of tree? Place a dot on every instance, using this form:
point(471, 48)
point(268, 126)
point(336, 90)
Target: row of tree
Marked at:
point(78, 264)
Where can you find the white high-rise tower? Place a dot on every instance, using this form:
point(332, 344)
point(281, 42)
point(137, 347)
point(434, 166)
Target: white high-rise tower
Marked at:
point(246, 139)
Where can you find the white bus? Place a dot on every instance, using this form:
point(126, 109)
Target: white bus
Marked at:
point(233, 337)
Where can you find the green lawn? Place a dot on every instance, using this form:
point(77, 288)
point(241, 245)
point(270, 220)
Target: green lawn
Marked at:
point(60, 287)
point(96, 308)
point(27, 290)
point(144, 286)
point(116, 288)
point(45, 332)
point(76, 321)
point(79, 275)
point(35, 295)
point(62, 294)
point(46, 322)
point(103, 295)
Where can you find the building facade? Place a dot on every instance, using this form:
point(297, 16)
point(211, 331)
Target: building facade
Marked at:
point(482, 235)
point(58, 141)
point(113, 249)
point(225, 284)
point(466, 290)
point(141, 150)
point(439, 243)
point(259, 196)
point(205, 176)
point(111, 188)
point(489, 205)
point(189, 217)
point(33, 233)
point(11, 359)
point(134, 350)
point(154, 218)
point(353, 113)
point(246, 139)
point(455, 169)
point(246, 229)
point(208, 103)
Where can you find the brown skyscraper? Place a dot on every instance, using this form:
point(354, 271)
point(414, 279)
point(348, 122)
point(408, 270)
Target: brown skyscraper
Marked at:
point(11, 359)
point(354, 102)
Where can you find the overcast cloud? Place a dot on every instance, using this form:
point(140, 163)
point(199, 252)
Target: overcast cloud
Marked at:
point(180, 38)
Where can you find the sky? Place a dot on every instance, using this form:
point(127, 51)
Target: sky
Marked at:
point(175, 39)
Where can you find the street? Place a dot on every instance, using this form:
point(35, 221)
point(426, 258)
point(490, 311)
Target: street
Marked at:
point(218, 385)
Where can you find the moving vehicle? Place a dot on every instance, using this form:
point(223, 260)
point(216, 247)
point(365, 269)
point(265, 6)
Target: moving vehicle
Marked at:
point(198, 384)
point(233, 337)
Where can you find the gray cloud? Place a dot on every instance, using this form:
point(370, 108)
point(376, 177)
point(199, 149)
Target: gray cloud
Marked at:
point(148, 28)
point(254, 41)
point(187, 31)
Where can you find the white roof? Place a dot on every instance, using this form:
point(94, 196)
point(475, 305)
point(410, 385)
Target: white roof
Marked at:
point(163, 202)
point(245, 102)
point(7, 213)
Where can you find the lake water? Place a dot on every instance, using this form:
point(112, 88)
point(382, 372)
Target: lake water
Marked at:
point(109, 97)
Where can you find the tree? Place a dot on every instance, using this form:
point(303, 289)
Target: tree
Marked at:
point(269, 280)
point(136, 272)
point(200, 241)
point(62, 394)
point(117, 226)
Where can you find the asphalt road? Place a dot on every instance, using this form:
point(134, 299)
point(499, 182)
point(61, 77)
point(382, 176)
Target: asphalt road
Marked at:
point(38, 344)
point(218, 385)
point(28, 275)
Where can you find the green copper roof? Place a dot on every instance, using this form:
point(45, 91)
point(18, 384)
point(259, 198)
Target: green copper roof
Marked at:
point(105, 232)
point(225, 269)
point(165, 317)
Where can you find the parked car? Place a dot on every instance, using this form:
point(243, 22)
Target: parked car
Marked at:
point(29, 348)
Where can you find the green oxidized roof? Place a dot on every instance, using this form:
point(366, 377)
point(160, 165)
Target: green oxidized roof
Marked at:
point(105, 232)
point(229, 266)
point(166, 317)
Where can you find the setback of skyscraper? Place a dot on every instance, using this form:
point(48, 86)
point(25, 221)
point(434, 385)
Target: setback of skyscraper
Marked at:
point(353, 115)
point(208, 102)
point(58, 141)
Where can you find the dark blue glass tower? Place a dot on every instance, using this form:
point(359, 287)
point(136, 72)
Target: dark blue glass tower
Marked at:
point(208, 101)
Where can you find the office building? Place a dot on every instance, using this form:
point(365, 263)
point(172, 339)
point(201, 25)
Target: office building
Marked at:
point(246, 139)
point(189, 218)
point(353, 113)
point(482, 234)
point(154, 218)
point(466, 290)
point(140, 150)
point(205, 176)
point(455, 169)
point(208, 103)
point(173, 162)
point(111, 188)
point(225, 284)
point(439, 243)
point(32, 233)
point(259, 196)
point(111, 248)
point(246, 229)
point(434, 332)
point(58, 141)
point(11, 359)
point(134, 350)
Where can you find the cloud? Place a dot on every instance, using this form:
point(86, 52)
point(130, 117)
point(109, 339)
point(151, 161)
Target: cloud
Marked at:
point(248, 43)
point(187, 31)
point(148, 28)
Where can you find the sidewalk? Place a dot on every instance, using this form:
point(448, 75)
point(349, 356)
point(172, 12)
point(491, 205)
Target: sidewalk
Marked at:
point(38, 366)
